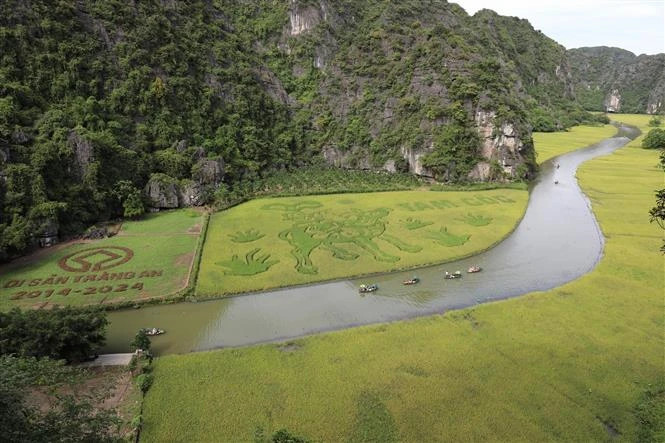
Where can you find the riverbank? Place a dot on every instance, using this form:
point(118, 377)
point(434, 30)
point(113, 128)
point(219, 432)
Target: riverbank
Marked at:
point(567, 364)
point(552, 144)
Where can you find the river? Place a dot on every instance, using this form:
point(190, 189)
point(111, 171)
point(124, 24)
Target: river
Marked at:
point(557, 241)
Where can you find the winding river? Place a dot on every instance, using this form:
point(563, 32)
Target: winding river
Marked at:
point(557, 241)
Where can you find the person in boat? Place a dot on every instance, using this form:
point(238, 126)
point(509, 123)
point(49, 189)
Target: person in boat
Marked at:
point(557, 166)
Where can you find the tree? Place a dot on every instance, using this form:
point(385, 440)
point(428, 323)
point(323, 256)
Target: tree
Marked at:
point(68, 418)
point(141, 341)
point(129, 197)
point(657, 213)
point(133, 205)
point(655, 139)
point(61, 333)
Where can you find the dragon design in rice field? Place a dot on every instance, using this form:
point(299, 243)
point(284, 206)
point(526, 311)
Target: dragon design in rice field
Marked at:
point(341, 234)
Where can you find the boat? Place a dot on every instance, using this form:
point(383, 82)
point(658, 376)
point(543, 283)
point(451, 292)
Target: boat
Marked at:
point(368, 288)
point(412, 281)
point(153, 331)
point(474, 269)
point(456, 274)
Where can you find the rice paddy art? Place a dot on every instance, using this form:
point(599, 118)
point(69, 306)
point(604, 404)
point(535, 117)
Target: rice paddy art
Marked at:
point(247, 236)
point(268, 243)
point(476, 219)
point(252, 264)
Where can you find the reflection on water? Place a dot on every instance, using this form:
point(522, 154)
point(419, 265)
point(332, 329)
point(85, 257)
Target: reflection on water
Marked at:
point(557, 241)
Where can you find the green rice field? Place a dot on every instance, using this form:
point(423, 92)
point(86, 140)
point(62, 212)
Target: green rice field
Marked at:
point(149, 258)
point(552, 144)
point(576, 363)
point(268, 243)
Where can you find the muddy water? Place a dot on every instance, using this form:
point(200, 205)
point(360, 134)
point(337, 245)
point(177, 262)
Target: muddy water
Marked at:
point(557, 241)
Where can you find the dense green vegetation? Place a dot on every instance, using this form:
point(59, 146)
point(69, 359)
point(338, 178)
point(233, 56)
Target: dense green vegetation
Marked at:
point(99, 98)
point(62, 334)
point(546, 366)
point(97, 95)
point(268, 243)
point(598, 72)
point(316, 180)
point(655, 139)
point(24, 382)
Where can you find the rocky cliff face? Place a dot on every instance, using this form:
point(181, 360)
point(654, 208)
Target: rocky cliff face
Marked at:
point(616, 80)
point(304, 17)
point(381, 80)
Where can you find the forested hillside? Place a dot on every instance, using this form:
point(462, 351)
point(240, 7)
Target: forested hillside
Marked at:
point(616, 80)
point(108, 107)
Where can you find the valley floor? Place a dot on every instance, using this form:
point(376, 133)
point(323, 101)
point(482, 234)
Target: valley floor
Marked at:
point(579, 362)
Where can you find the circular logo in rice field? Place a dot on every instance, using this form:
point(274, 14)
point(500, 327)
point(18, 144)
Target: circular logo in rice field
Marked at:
point(96, 259)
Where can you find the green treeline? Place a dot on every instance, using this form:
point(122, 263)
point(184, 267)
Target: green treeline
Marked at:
point(95, 95)
point(99, 96)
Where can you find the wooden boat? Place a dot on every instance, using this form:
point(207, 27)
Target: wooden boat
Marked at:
point(456, 274)
point(474, 269)
point(412, 281)
point(153, 331)
point(368, 288)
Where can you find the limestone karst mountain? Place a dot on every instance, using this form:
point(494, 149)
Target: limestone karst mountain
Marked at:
point(101, 101)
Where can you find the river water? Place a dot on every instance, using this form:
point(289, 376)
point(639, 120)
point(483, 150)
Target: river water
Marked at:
point(557, 241)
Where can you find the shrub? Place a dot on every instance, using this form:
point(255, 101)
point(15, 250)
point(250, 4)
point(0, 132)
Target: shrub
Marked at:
point(144, 381)
point(61, 333)
point(141, 341)
point(655, 121)
point(655, 139)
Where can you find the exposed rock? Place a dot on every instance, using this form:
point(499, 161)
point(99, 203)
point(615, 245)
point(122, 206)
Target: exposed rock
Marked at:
point(19, 137)
point(302, 19)
point(47, 232)
point(190, 194)
point(335, 157)
point(654, 108)
point(180, 145)
point(209, 171)
point(389, 109)
point(413, 158)
point(501, 145)
point(356, 158)
point(198, 153)
point(274, 87)
point(84, 153)
point(613, 101)
point(480, 172)
point(390, 166)
point(321, 57)
point(96, 233)
point(162, 191)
